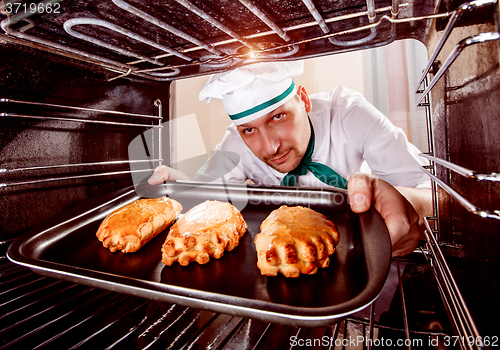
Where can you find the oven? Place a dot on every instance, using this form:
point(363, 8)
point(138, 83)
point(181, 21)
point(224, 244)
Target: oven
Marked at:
point(86, 84)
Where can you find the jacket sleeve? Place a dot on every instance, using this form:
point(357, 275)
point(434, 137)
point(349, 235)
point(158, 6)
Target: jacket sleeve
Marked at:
point(225, 163)
point(384, 146)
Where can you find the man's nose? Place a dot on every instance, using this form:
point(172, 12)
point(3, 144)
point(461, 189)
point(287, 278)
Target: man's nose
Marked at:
point(270, 142)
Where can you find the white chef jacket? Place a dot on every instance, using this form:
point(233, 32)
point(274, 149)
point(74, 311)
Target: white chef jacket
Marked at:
point(348, 130)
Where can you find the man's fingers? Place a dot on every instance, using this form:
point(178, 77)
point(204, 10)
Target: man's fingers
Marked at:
point(398, 214)
point(407, 243)
point(163, 173)
point(360, 192)
point(160, 175)
point(402, 224)
point(398, 225)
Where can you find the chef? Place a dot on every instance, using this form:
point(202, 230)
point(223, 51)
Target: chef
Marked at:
point(282, 136)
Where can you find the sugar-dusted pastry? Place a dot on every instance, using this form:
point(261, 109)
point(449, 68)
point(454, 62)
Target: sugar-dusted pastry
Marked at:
point(133, 225)
point(207, 230)
point(294, 241)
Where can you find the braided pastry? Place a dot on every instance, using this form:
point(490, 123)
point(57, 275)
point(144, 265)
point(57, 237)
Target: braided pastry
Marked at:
point(207, 230)
point(294, 241)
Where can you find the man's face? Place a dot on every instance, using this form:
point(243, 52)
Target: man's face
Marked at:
point(280, 138)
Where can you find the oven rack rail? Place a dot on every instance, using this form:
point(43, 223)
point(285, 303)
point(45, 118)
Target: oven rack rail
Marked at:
point(216, 58)
point(451, 296)
point(459, 314)
point(450, 293)
point(147, 324)
point(494, 177)
point(148, 122)
point(463, 10)
point(424, 87)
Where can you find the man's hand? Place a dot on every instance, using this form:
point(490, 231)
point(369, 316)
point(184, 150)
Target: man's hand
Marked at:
point(163, 173)
point(400, 217)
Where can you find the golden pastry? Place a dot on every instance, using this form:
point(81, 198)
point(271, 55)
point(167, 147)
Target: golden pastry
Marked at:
point(207, 230)
point(133, 225)
point(294, 241)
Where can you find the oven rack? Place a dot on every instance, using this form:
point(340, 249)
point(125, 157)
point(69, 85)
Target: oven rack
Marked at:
point(465, 9)
point(452, 298)
point(92, 306)
point(485, 213)
point(475, 39)
point(456, 15)
point(154, 150)
point(450, 294)
point(460, 316)
point(217, 58)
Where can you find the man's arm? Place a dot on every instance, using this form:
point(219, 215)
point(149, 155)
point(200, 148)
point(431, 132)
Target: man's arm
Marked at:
point(402, 208)
point(221, 165)
point(420, 199)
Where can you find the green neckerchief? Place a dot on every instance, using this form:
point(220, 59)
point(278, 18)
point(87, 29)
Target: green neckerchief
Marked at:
point(322, 172)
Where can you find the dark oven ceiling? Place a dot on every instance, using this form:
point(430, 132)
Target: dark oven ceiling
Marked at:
point(164, 40)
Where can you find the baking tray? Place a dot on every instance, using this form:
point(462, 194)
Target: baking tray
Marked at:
point(68, 249)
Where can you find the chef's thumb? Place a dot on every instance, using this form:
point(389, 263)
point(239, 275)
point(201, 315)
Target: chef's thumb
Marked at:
point(360, 189)
point(160, 175)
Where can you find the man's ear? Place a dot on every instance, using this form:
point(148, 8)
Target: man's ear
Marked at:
point(301, 91)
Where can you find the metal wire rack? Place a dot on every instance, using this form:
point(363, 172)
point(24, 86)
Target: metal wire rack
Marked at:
point(104, 118)
point(41, 312)
point(461, 318)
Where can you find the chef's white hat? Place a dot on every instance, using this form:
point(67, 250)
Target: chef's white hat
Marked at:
point(251, 91)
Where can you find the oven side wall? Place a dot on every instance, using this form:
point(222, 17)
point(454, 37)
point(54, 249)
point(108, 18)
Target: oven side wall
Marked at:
point(30, 75)
point(465, 104)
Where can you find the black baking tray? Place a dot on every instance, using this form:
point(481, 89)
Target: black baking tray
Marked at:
point(68, 249)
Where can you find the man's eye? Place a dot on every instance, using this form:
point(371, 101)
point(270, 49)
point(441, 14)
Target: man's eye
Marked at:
point(278, 117)
point(248, 130)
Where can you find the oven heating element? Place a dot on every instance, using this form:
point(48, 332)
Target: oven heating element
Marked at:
point(219, 55)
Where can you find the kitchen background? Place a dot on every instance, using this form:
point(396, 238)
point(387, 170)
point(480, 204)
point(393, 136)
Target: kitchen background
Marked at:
point(386, 76)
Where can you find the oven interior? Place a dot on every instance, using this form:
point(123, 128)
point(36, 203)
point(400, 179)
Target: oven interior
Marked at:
point(81, 80)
